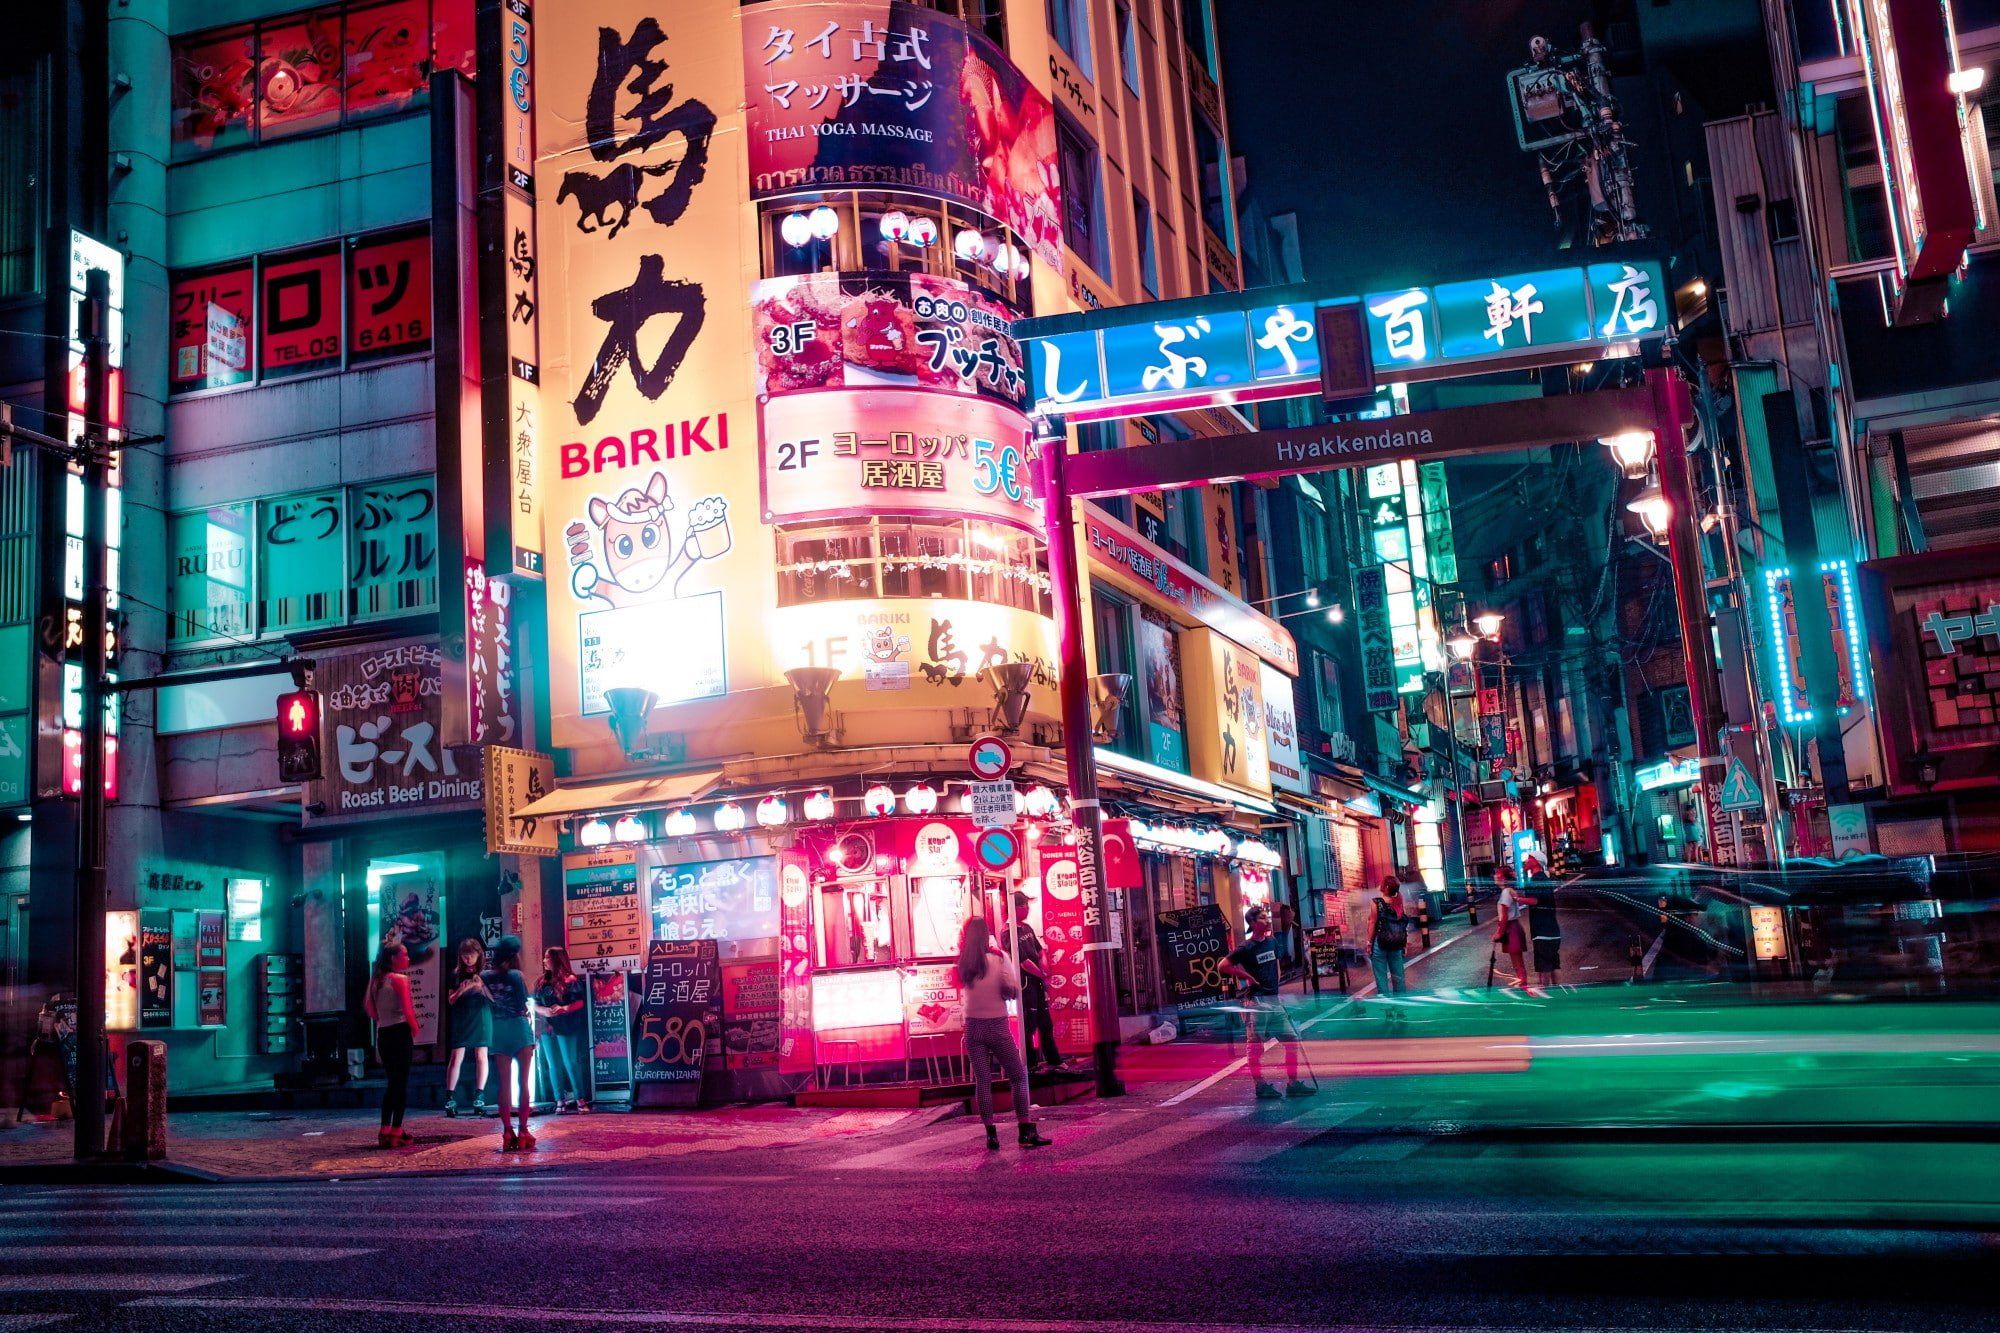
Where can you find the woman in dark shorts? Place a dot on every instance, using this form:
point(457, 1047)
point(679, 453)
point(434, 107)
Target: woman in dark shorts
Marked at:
point(513, 1043)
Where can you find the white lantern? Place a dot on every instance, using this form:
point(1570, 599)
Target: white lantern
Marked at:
point(895, 225)
point(819, 805)
point(679, 823)
point(771, 811)
point(594, 833)
point(825, 223)
point(923, 232)
point(968, 245)
point(796, 229)
point(921, 799)
point(1041, 802)
point(879, 800)
point(728, 817)
point(628, 829)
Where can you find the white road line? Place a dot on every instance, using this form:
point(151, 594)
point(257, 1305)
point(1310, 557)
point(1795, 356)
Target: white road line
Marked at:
point(1263, 1141)
point(1159, 1140)
point(965, 1137)
point(11, 1321)
point(28, 1283)
point(208, 1232)
point(239, 1253)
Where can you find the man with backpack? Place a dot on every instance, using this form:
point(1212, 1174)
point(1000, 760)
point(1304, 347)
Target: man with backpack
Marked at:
point(1388, 938)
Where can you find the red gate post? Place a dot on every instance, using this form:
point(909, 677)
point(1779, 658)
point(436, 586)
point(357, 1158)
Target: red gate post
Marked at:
point(1073, 688)
point(1671, 410)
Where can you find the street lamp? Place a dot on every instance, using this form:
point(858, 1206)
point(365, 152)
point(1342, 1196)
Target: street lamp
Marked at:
point(1462, 646)
point(1488, 624)
point(1633, 450)
point(1654, 510)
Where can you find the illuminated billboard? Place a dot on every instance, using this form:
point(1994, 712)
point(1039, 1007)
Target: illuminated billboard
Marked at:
point(881, 330)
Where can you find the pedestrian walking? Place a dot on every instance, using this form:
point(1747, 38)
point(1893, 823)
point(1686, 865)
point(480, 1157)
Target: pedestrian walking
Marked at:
point(1511, 935)
point(513, 1044)
point(388, 1003)
point(1037, 1022)
point(1256, 961)
point(988, 980)
point(1388, 939)
point(1424, 920)
point(560, 998)
point(1544, 929)
point(471, 1020)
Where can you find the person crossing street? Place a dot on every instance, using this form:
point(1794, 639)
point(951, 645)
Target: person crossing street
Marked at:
point(1256, 961)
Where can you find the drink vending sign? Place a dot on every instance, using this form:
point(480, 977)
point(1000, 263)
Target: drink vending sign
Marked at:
point(680, 1012)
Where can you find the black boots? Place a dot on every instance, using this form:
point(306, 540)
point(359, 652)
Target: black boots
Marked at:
point(992, 1139)
point(1032, 1137)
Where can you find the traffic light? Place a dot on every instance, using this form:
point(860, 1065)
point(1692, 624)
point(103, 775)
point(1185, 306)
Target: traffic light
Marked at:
point(298, 736)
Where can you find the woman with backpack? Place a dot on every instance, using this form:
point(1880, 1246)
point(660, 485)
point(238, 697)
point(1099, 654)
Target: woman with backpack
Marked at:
point(1388, 938)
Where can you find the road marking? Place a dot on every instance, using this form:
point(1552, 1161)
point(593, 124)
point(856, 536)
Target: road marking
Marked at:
point(32, 1320)
point(1159, 1140)
point(1272, 1139)
point(382, 1231)
point(1382, 1150)
point(243, 1253)
point(11, 1213)
point(963, 1138)
point(27, 1283)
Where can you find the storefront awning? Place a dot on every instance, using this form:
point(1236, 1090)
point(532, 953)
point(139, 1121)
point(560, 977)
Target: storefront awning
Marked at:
point(620, 794)
point(1141, 775)
point(1394, 792)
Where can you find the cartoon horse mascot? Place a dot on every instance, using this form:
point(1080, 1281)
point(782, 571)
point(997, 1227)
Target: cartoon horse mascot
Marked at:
point(637, 542)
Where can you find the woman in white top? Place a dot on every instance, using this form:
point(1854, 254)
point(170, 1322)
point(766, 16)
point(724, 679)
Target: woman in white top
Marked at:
point(1511, 936)
point(388, 1003)
point(988, 980)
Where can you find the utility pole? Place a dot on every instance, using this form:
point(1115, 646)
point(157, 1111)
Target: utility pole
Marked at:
point(95, 459)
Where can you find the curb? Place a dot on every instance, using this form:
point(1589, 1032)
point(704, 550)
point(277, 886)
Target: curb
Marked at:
point(108, 1173)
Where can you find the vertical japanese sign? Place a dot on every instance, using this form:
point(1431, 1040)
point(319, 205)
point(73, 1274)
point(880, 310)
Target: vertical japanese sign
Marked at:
point(1068, 918)
point(121, 970)
point(516, 778)
point(517, 281)
point(680, 1012)
point(156, 969)
point(489, 655)
point(796, 1053)
point(648, 460)
point(750, 1014)
point(211, 957)
point(610, 1032)
point(1378, 660)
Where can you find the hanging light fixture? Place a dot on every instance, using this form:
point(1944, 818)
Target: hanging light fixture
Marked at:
point(895, 225)
point(1654, 510)
point(771, 811)
point(921, 799)
point(728, 817)
point(1488, 624)
point(819, 805)
point(825, 223)
point(923, 232)
point(968, 245)
point(879, 800)
point(1041, 802)
point(679, 823)
point(795, 229)
point(1462, 646)
point(594, 833)
point(628, 829)
point(1633, 450)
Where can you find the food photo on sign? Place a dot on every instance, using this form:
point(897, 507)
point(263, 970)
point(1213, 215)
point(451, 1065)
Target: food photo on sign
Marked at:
point(911, 330)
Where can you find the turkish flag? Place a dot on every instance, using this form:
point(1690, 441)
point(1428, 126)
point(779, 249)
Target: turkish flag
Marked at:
point(1121, 855)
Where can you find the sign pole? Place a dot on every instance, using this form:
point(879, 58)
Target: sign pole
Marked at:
point(90, 813)
point(1079, 753)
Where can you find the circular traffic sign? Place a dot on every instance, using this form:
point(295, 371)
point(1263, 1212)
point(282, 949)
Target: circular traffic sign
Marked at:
point(989, 758)
point(996, 848)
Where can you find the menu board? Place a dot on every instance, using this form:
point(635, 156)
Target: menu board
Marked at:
point(602, 923)
point(933, 1004)
point(610, 1031)
point(1193, 943)
point(733, 902)
point(1067, 965)
point(156, 979)
point(750, 1014)
point(679, 1010)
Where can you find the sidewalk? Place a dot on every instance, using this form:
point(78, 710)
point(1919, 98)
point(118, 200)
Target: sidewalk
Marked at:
point(326, 1144)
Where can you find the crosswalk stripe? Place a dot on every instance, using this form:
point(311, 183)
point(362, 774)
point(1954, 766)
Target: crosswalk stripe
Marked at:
point(1264, 1141)
point(216, 1253)
point(29, 1283)
point(965, 1137)
point(227, 1214)
point(1154, 1141)
point(209, 1231)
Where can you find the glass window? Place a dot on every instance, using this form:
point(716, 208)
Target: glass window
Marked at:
point(387, 57)
point(1213, 165)
point(826, 563)
point(209, 596)
point(1069, 24)
point(1117, 652)
point(938, 908)
point(393, 551)
point(389, 295)
point(210, 335)
point(301, 575)
point(1128, 48)
point(298, 74)
point(854, 924)
point(1082, 192)
point(1149, 259)
point(300, 320)
point(923, 560)
point(214, 92)
point(1199, 31)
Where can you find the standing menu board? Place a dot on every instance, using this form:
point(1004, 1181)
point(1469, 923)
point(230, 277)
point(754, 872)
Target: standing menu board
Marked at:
point(680, 1011)
point(1193, 943)
point(156, 975)
point(750, 1014)
point(610, 1032)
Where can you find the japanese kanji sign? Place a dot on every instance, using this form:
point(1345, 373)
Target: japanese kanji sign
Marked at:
point(383, 711)
point(514, 778)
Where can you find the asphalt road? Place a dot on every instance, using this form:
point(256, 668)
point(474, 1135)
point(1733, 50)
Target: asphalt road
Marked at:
point(1185, 1208)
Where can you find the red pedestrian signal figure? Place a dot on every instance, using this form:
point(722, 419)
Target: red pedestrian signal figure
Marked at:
point(298, 736)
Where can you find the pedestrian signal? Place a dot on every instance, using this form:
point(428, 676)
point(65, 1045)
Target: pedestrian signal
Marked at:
point(298, 736)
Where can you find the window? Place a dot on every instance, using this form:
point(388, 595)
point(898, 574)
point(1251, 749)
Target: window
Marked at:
point(1212, 164)
point(23, 178)
point(939, 905)
point(855, 926)
point(1117, 651)
point(308, 560)
point(1199, 30)
point(1069, 24)
point(1083, 193)
point(877, 233)
point(1149, 259)
point(301, 311)
point(313, 70)
point(1128, 48)
point(1326, 673)
point(961, 560)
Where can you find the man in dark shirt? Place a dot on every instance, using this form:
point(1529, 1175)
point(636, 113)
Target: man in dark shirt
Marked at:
point(1256, 961)
point(1037, 1024)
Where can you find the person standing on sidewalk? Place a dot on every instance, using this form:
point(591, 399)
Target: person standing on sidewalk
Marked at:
point(987, 980)
point(388, 1003)
point(471, 1026)
point(513, 1044)
point(1511, 935)
point(1388, 939)
point(560, 998)
point(1256, 961)
point(1544, 930)
point(1037, 1023)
